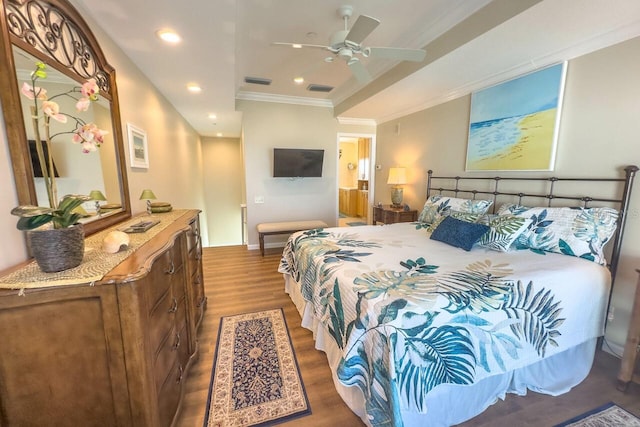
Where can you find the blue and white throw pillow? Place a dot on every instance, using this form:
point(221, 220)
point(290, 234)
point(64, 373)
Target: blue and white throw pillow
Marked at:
point(580, 232)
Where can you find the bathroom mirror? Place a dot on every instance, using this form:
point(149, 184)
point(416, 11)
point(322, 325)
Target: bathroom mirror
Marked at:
point(52, 31)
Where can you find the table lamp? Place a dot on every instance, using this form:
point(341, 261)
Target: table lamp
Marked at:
point(98, 197)
point(397, 178)
point(148, 196)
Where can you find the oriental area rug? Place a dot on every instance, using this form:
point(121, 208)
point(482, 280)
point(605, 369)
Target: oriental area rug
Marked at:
point(609, 415)
point(255, 380)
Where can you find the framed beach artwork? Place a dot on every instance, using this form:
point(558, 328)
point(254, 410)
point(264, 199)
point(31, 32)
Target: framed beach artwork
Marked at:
point(514, 125)
point(138, 150)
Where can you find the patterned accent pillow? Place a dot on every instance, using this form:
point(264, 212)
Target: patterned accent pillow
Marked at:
point(460, 234)
point(505, 229)
point(437, 205)
point(580, 232)
point(462, 216)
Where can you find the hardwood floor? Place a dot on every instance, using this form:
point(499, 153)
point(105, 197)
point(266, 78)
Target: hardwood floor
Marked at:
point(241, 281)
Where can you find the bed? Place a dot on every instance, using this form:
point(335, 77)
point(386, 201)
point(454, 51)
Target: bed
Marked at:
point(429, 323)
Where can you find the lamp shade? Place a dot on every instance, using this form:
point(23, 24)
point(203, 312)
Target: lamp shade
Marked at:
point(397, 176)
point(97, 195)
point(147, 195)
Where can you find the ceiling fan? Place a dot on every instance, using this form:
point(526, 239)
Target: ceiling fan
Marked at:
point(347, 45)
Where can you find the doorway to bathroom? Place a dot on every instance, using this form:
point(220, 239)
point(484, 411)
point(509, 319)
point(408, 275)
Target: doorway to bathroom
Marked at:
point(355, 182)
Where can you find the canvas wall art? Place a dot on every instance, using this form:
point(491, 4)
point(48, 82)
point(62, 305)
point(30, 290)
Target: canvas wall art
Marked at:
point(514, 125)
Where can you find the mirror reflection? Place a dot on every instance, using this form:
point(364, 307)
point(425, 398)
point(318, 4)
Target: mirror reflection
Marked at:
point(77, 170)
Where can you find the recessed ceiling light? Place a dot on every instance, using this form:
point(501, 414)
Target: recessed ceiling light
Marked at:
point(296, 46)
point(169, 36)
point(298, 80)
point(212, 116)
point(219, 134)
point(194, 88)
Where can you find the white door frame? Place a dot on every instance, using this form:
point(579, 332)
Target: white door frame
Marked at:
point(372, 169)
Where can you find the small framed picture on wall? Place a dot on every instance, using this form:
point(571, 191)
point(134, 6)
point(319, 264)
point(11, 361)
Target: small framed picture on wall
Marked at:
point(138, 149)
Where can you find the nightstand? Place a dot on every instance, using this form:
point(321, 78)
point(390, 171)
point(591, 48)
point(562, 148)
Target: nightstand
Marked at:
point(630, 366)
point(387, 214)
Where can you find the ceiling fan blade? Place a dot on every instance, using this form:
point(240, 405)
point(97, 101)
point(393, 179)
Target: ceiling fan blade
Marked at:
point(359, 71)
point(416, 55)
point(363, 26)
point(301, 45)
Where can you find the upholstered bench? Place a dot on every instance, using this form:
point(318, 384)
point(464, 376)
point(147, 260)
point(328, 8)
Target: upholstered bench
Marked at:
point(287, 227)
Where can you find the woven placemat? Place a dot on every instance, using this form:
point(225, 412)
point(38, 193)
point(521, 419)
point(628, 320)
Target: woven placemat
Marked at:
point(96, 262)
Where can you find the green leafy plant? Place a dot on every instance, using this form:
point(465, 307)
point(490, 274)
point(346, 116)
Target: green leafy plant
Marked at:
point(65, 215)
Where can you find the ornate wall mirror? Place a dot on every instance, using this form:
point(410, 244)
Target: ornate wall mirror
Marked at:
point(52, 32)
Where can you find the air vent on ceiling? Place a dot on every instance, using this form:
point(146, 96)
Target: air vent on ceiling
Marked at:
point(319, 88)
point(257, 81)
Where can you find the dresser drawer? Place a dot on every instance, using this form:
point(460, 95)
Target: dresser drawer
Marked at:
point(164, 267)
point(169, 395)
point(193, 236)
point(161, 321)
point(177, 284)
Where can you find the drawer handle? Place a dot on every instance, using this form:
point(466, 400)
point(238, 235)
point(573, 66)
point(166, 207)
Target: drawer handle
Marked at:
point(174, 306)
point(202, 302)
point(172, 268)
point(197, 280)
point(180, 371)
point(198, 255)
point(177, 344)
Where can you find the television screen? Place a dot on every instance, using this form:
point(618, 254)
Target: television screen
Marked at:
point(297, 162)
point(35, 163)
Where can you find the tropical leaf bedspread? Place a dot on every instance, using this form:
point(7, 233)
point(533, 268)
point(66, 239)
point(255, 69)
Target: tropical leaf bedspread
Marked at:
point(409, 313)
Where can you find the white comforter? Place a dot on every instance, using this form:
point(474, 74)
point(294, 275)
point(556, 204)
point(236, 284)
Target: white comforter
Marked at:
point(409, 314)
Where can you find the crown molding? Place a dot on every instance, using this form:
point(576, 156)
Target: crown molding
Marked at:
point(356, 121)
point(282, 99)
point(585, 47)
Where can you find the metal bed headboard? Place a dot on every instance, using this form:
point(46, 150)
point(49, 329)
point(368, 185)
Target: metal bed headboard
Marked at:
point(622, 202)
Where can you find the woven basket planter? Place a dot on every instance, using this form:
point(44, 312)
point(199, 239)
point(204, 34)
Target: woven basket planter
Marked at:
point(57, 249)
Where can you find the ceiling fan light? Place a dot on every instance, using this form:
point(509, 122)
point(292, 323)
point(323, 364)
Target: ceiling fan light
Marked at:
point(345, 54)
point(366, 52)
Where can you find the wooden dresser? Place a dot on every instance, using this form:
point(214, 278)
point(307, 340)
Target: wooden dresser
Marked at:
point(111, 353)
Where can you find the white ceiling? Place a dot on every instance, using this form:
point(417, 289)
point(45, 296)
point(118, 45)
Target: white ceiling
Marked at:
point(225, 40)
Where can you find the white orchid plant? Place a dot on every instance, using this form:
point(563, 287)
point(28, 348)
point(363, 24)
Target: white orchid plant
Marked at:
point(88, 135)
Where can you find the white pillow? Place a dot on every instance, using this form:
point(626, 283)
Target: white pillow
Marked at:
point(580, 232)
point(438, 205)
point(505, 229)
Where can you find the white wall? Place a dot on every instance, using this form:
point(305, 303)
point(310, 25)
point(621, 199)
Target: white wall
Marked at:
point(223, 186)
point(270, 125)
point(598, 136)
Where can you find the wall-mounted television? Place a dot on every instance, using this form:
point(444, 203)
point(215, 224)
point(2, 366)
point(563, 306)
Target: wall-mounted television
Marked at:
point(297, 163)
point(35, 163)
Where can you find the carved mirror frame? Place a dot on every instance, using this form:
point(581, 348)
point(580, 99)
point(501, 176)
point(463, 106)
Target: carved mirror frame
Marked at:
point(63, 28)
